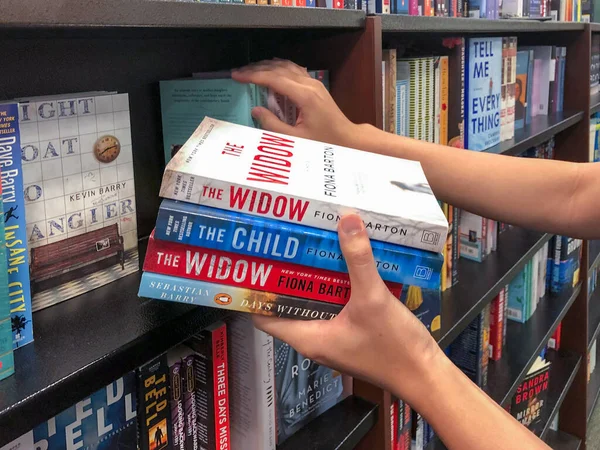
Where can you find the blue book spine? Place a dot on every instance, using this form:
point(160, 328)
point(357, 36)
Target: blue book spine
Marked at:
point(105, 420)
point(482, 92)
point(15, 233)
point(240, 233)
point(561, 87)
point(7, 360)
point(517, 297)
point(402, 7)
point(201, 293)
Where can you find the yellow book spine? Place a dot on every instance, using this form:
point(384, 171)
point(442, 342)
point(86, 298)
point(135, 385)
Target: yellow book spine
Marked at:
point(444, 100)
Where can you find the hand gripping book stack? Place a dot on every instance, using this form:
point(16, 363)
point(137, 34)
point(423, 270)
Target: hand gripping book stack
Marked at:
point(248, 222)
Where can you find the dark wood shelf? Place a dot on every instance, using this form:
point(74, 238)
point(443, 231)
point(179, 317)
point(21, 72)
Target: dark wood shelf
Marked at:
point(595, 27)
point(524, 342)
point(171, 14)
point(593, 252)
point(558, 440)
point(85, 343)
point(537, 132)
point(593, 316)
point(593, 389)
point(594, 103)
point(479, 283)
point(397, 23)
point(340, 428)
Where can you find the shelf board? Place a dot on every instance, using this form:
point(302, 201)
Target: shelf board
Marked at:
point(593, 316)
point(171, 14)
point(594, 103)
point(594, 252)
point(595, 27)
point(559, 440)
point(524, 342)
point(340, 428)
point(541, 129)
point(481, 282)
point(85, 343)
point(593, 391)
point(397, 23)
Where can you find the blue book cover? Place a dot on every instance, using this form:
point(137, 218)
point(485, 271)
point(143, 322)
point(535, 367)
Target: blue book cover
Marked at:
point(566, 264)
point(7, 360)
point(401, 7)
point(517, 297)
point(235, 232)
point(482, 92)
point(403, 107)
point(105, 420)
point(521, 89)
point(15, 233)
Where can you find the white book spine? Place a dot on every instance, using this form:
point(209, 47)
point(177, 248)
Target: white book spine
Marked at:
point(391, 196)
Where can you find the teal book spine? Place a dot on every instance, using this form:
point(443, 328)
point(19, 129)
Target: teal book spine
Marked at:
point(7, 362)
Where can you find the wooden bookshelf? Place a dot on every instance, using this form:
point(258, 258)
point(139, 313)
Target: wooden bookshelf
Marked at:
point(129, 45)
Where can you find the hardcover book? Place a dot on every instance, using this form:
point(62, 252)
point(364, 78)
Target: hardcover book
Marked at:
point(79, 193)
point(529, 402)
point(230, 231)
point(7, 359)
point(15, 235)
point(105, 420)
point(482, 92)
point(261, 274)
point(304, 390)
point(297, 180)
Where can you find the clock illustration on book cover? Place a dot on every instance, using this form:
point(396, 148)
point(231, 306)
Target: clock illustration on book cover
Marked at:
point(107, 148)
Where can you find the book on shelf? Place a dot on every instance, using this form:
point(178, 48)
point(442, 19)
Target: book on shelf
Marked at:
point(7, 358)
point(78, 193)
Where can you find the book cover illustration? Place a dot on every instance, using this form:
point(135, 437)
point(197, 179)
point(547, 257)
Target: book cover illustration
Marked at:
point(212, 228)
point(521, 89)
point(79, 193)
point(304, 389)
point(15, 235)
point(483, 83)
point(105, 420)
point(7, 359)
point(262, 274)
point(240, 168)
point(528, 403)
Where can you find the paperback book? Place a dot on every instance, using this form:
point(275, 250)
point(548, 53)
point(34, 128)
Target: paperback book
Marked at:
point(79, 193)
point(296, 180)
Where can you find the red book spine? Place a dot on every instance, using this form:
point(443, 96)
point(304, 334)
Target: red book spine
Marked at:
point(496, 325)
point(215, 266)
point(221, 389)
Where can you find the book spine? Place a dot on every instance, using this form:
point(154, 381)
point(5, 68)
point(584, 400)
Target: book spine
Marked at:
point(189, 403)
point(178, 185)
point(443, 100)
point(249, 272)
point(153, 405)
point(15, 232)
point(176, 400)
point(7, 359)
point(221, 389)
point(296, 244)
point(180, 290)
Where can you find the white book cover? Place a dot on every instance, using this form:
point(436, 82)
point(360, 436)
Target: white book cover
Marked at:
point(252, 385)
point(78, 183)
point(297, 180)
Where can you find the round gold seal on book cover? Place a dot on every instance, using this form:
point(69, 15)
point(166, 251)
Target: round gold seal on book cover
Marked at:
point(107, 148)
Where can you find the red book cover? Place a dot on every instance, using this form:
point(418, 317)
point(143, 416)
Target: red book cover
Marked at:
point(221, 387)
point(215, 266)
point(496, 325)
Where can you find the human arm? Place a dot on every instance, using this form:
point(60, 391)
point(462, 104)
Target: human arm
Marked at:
point(376, 338)
point(545, 195)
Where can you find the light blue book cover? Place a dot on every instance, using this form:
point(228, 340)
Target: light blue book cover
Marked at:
point(230, 231)
point(186, 102)
point(521, 89)
point(482, 92)
point(402, 106)
point(15, 232)
point(7, 360)
point(517, 297)
point(104, 420)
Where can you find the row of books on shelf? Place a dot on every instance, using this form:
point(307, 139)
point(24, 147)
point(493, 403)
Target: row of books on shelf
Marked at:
point(594, 154)
point(563, 10)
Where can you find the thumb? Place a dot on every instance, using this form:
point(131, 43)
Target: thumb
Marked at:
point(358, 254)
point(270, 122)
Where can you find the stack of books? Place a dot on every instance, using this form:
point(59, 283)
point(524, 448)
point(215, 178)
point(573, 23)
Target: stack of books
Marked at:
point(249, 219)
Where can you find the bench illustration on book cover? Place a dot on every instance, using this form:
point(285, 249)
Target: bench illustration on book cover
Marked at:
point(78, 185)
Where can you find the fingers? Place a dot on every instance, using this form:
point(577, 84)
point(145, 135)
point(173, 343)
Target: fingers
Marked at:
point(358, 254)
point(269, 121)
point(302, 335)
